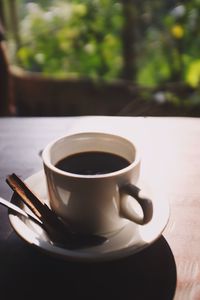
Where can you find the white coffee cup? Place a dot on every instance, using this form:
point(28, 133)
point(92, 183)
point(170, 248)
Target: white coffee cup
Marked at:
point(95, 203)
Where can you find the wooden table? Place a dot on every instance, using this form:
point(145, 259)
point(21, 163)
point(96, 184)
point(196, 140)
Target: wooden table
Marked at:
point(168, 269)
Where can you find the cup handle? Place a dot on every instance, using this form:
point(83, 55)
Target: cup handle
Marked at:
point(145, 203)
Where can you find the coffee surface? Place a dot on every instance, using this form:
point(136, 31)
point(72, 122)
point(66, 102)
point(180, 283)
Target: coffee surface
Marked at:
point(92, 163)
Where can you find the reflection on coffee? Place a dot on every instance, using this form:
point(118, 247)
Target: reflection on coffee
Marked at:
point(92, 163)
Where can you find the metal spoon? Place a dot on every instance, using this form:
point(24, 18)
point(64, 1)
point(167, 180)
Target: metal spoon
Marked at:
point(18, 210)
point(77, 240)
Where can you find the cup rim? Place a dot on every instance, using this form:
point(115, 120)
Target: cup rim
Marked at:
point(49, 165)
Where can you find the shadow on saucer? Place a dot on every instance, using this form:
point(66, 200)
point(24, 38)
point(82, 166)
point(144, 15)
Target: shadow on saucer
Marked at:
point(149, 274)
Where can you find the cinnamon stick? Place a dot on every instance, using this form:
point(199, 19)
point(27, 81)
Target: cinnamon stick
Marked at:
point(41, 210)
point(14, 182)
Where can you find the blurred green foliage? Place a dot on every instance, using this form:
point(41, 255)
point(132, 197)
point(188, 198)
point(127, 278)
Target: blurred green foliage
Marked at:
point(84, 38)
point(72, 38)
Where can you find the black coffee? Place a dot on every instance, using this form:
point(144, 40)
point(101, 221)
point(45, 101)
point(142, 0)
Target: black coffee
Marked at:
point(92, 163)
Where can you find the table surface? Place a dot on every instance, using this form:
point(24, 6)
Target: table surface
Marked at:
point(167, 269)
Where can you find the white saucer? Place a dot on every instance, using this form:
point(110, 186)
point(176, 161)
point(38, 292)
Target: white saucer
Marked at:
point(131, 239)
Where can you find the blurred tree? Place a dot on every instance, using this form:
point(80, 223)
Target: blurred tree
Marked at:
point(147, 42)
point(129, 38)
point(72, 38)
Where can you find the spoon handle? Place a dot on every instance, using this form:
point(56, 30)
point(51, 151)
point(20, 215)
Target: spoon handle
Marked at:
point(17, 209)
